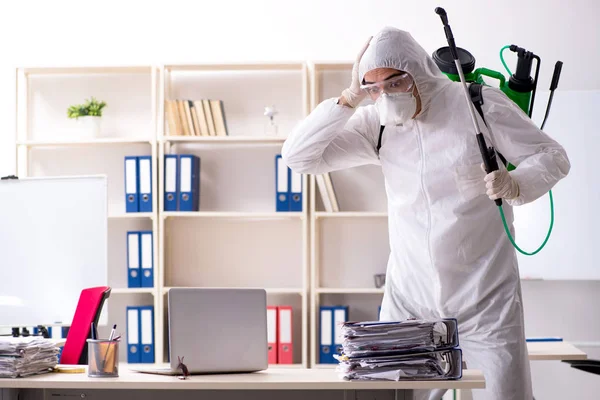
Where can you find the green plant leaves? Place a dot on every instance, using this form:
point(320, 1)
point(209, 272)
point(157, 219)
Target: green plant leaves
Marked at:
point(91, 107)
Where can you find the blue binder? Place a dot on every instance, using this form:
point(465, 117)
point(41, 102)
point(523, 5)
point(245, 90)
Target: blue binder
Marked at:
point(133, 335)
point(340, 315)
point(134, 279)
point(326, 345)
point(330, 343)
point(295, 193)
point(171, 182)
point(131, 185)
point(145, 183)
point(282, 185)
point(147, 334)
point(189, 182)
point(146, 259)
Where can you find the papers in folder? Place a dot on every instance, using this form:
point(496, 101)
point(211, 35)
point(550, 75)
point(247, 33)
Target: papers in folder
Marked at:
point(24, 356)
point(412, 349)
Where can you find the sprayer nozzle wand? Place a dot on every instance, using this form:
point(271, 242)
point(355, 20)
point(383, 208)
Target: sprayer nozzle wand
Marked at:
point(553, 86)
point(488, 153)
point(556, 75)
point(442, 13)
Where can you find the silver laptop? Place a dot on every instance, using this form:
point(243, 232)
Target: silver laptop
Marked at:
point(216, 330)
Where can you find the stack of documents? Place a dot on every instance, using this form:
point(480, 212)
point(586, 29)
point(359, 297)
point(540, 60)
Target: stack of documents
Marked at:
point(25, 356)
point(411, 349)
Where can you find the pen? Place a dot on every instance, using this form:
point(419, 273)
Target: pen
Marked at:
point(544, 339)
point(112, 332)
point(94, 335)
point(110, 338)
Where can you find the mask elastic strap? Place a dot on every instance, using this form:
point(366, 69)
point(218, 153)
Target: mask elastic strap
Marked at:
point(379, 141)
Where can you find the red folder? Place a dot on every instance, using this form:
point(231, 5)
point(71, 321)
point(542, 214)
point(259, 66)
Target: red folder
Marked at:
point(272, 327)
point(284, 335)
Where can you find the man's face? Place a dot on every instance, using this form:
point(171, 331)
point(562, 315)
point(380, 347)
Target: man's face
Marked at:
point(382, 74)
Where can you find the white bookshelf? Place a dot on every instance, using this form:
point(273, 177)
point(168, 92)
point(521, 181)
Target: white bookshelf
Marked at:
point(350, 246)
point(233, 214)
point(351, 214)
point(50, 144)
point(225, 139)
point(89, 142)
point(138, 215)
point(237, 239)
point(372, 290)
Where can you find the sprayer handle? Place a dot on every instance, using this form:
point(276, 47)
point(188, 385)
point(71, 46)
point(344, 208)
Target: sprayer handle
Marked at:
point(488, 154)
point(556, 75)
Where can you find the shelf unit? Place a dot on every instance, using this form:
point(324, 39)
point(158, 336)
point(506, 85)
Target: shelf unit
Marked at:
point(47, 143)
point(222, 210)
point(235, 204)
point(338, 278)
point(233, 214)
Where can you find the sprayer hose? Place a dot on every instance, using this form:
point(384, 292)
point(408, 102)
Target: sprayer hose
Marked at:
point(502, 59)
point(547, 236)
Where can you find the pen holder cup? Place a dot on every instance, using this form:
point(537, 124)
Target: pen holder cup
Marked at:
point(103, 358)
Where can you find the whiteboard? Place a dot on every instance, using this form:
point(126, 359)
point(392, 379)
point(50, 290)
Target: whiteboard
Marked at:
point(53, 235)
point(570, 254)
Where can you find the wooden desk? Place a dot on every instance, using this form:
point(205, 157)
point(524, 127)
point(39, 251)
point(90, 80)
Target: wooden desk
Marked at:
point(272, 379)
point(556, 351)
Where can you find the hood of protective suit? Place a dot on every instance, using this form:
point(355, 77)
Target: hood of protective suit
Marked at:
point(394, 48)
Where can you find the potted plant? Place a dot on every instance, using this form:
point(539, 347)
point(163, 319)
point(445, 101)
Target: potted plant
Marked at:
point(88, 115)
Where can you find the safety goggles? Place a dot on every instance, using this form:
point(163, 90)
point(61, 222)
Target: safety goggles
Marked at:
point(399, 83)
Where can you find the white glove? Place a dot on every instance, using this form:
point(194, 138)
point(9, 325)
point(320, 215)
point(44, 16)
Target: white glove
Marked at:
point(354, 94)
point(500, 184)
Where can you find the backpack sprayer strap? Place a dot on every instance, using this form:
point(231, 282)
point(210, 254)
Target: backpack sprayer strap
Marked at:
point(476, 93)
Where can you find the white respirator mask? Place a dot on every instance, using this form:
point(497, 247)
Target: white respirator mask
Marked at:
point(396, 108)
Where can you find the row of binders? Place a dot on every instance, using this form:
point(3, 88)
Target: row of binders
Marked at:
point(330, 339)
point(140, 259)
point(400, 350)
point(182, 182)
point(140, 334)
point(138, 184)
point(288, 191)
point(279, 325)
point(196, 118)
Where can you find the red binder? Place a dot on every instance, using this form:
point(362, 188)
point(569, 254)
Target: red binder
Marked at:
point(272, 327)
point(88, 311)
point(284, 335)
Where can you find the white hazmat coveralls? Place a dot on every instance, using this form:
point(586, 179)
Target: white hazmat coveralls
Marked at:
point(450, 256)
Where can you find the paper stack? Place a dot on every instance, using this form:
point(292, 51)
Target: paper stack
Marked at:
point(25, 356)
point(405, 350)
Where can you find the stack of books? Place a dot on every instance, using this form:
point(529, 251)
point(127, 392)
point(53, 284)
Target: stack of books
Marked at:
point(24, 356)
point(405, 350)
point(196, 118)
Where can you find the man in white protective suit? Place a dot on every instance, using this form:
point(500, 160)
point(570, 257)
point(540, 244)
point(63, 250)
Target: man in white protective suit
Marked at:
point(450, 256)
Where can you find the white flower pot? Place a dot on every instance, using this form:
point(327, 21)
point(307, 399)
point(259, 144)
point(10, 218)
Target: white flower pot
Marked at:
point(88, 127)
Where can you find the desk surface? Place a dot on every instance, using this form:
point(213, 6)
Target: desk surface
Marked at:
point(554, 351)
point(271, 379)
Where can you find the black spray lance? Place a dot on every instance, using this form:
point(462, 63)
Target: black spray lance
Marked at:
point(487, 153)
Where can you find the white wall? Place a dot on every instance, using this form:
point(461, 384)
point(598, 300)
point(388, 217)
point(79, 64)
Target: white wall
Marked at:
point(142, 32)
